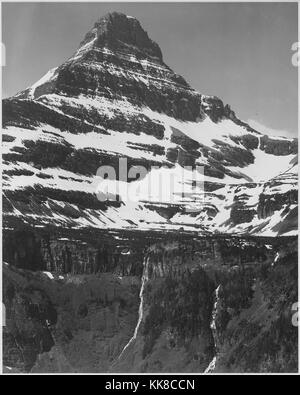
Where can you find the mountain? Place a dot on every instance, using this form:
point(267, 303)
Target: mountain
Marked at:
point(115, 97)
point(221, 195)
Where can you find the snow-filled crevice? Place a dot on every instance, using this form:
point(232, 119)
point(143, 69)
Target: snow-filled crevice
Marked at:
point(212, 365)
point(145, 279)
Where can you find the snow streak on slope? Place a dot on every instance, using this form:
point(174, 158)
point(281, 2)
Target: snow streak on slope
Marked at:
point(212, 366)
point(204, 131)
point(266, 166)
point(145, 278)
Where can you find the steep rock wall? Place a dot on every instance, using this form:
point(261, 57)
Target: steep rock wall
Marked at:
point(206, 305)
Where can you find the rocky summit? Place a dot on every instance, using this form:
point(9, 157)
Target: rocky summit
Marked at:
point(195, 275)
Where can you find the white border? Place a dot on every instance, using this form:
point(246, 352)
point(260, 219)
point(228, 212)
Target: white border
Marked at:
point(143, 1)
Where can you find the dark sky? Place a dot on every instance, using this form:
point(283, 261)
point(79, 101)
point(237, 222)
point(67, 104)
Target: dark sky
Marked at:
point(239, 52)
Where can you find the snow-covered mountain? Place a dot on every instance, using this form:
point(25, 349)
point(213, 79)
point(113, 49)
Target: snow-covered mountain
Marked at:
point(115, 98)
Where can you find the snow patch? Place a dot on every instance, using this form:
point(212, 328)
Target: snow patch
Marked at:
point(49, 275)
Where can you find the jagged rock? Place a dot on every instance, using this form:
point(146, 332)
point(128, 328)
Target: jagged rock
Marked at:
point(278, 146)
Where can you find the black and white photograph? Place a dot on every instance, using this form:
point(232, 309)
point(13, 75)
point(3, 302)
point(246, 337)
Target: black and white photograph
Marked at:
point(149, 190)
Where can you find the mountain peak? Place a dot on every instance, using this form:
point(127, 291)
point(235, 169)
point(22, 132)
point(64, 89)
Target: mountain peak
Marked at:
point(118, 31)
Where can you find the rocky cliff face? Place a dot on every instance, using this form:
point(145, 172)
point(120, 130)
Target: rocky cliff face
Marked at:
point(200, 277)
point(201, 305)
point(67, 324)
point(220, 307)
point(44, 250)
